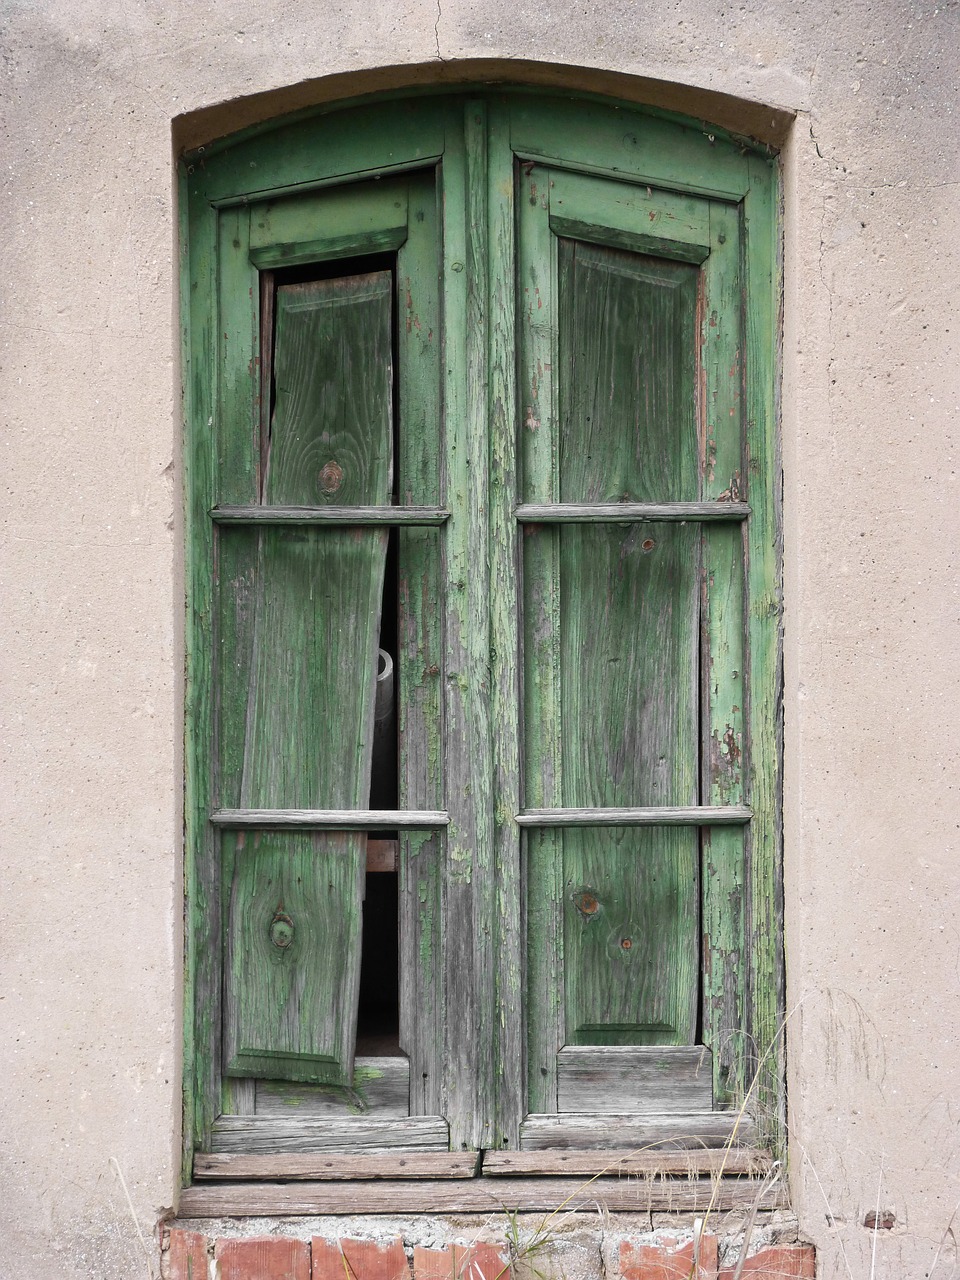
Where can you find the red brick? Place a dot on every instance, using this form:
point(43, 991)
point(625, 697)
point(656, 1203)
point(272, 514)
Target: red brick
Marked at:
point(666, 1261)
point(272, 1258)
point(432, 1264)
point(359, 1260)
point(187, 1255)
point(778, 1262)
point(459, 1262)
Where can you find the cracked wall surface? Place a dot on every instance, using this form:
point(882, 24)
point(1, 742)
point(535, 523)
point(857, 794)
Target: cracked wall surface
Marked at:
point(91, 563)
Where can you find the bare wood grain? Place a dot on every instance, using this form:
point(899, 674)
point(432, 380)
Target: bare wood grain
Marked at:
point(695, 1129)
point(336, 1168)
point(732, 1162)
point(618, 1078)
point(381, 1087)
point(259, 1135)
point(476, 1195)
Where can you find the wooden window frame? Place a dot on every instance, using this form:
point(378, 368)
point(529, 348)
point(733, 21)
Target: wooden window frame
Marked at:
point(478, 146)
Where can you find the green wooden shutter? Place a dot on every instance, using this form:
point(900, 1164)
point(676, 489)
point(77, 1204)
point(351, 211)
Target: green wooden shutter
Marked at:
point(623, 623)
point(304, 684)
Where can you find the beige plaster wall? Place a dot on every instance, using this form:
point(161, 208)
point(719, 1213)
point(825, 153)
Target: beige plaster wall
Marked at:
point(91, 901)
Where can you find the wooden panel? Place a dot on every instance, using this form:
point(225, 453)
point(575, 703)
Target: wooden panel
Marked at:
point(673, 1130)
point(381, 1086)
point(629, 216)
point(730, 1162)
point(356, 219)
point(630, 923)
point(348, 516)
point(628, 386)
point(480, 1195)
point(265, 1135)
point(329, 819)
point(293, 954)
point(337, 1168)
point(635, 1078)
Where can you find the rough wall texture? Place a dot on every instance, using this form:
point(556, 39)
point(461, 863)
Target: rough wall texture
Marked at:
point(91, 564)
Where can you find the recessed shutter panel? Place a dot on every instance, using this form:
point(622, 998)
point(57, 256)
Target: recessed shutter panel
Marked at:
point(307, 685)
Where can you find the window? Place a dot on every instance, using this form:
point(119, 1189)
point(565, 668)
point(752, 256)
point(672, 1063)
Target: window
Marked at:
point(483, 633)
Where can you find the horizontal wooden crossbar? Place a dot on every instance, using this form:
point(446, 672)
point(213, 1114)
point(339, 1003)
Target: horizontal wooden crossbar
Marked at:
point(692, 816)
point(626, 512)
point(331, 819)
point(348, 516)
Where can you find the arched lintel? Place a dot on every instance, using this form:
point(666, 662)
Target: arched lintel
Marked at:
point(741, 118)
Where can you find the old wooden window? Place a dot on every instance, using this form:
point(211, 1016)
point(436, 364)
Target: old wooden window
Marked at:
point(482, 669)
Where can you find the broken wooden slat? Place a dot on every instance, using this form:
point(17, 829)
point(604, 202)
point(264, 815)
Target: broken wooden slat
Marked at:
point(478, 1195)
point(643, 1078)
point(667, 816)
point(265, 1135)
point(651, 1131)
point(388, 517)
point(381, 1087)
point(330, 819)
point(730, 1162)
point(336, 1168)
point(628, 512)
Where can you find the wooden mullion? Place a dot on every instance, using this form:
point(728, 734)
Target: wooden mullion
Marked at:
point(665, 816)
point(762, 299)
point(466, 1051)
point(509, 1068)
point(202, 983)
point(421, 764)
point(540, 667)
point(630, 512)
point(725, 963)
point(346, 517)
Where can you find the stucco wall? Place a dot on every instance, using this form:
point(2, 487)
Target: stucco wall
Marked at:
point(91, 553)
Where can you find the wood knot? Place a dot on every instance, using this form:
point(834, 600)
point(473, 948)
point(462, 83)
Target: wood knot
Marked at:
point(330, 478)
point(281, 930)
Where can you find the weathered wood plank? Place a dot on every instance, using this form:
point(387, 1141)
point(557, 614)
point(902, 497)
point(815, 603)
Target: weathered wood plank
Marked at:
point(542, 756)
point(330, 819)
point(373, 517)
point(467, 1051)
point(422, 768)
point(765, 637)
point(479, 1195)
point(694, 1162)
point(336, 1168)
point(628, 512)
point(724, 673)
point(674, 1130)
point(263, 1135)
point(504, 889)
point(642, 1078)
point(381, 1087)
point(665, 816)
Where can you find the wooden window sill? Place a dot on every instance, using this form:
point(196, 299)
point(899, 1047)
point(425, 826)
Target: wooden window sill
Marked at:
point(452, 1182)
